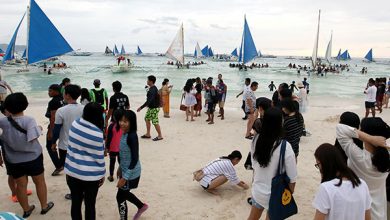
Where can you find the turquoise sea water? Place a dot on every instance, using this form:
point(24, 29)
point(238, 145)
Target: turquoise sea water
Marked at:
point(83, 70)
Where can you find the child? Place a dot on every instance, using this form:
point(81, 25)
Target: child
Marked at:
point(114, 134)
point(130, 167)
point(271, 86)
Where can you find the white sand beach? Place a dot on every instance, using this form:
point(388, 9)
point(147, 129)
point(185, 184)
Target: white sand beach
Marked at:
point(166, 180)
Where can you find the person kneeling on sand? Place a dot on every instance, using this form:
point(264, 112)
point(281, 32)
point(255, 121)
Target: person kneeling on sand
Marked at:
point(219, 171)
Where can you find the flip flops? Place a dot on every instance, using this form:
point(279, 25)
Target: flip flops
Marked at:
point(145, 137)
point(26, 214)
point(50, 205)
point(157, 139)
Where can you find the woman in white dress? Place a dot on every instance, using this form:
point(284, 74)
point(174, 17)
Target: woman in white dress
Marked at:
point(302, 98)
point(189, 100)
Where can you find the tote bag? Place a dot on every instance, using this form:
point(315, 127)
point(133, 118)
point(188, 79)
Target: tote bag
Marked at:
point(281, 204)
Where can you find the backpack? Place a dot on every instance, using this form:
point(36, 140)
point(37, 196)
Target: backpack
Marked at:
point(99, 96)
point(160, 97)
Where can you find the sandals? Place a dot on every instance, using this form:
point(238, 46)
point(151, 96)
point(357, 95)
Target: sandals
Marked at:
point(250, 137)
point(26, 214)
point(249, 200)
point(50, 205)
point(145, 136)
point(157, 139)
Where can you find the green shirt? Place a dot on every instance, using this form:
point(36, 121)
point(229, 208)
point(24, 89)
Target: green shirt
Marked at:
point(93, 97)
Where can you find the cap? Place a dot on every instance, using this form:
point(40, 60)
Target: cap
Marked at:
point(96, 81)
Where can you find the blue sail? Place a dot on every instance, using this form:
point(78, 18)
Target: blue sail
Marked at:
point(139, 51)
point(339, 55)
point(234, 52)
point(348, 56)
point(195, 53)
point(44, 40)
point(123, 52)
point(344, 56)
point(9, 53)
point(248, 49)
point(205, 51)
point(115, 51)
point(1, 51)
point(369, 55)
point(210, 52)
point(24, 54)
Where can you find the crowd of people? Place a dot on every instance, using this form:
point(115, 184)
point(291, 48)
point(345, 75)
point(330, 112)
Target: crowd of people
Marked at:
point(250, 66)
point(85, 125)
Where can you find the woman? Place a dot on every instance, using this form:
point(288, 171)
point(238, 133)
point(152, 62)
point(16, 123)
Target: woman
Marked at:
point(189, 100)
point(85, 98)
point(3, 89)
point(23, 152)
point(293, 124)
point(165, 92)
point(198, 97)
point(219, 171)
point(351, 119)
point(387, 94)
point(266, 151)
point(302, 98)
point(371, 163)
point(84, 165)
point(342, 195)
point(130, 167)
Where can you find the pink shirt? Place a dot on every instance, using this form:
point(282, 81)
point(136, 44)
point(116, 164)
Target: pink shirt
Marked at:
point(116, 139)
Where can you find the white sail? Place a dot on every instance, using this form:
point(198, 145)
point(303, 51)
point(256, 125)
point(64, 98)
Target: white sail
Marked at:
point(328, 53)
point(176, 50)
point(198, 51)
point(315, 49)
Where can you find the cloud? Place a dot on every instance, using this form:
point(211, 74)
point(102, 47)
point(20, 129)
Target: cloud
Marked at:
point(165, 20)
point(216, 26)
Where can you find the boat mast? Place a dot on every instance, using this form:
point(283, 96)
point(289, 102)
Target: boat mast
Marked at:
point(182, 40)
point(28, 32)
point(316, 44)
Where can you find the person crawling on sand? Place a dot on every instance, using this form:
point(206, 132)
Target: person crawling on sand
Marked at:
point(221, 170)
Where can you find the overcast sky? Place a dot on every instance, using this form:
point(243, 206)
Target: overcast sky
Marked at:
point(279, 27)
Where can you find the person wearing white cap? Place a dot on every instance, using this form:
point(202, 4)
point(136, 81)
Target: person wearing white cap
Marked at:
point(302, 98)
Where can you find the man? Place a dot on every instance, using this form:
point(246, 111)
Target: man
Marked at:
point(246, 88)
point(211, 99)
point(54, 104)
point(64, 118)
point(370, 97)
point(117, 101)
point(306, 85)
point(250, 107)
point(153, 104)
point(222, 91)
point(99, 95)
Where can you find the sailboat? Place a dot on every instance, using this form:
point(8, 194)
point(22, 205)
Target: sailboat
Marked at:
point(44, 41)
point(369, 57)
point(248, 49)
point(339, 55)
point(328, 53)
point(115, 51)
point(198, 51)
point(107, 51)
point(345, 55)
point(176, 49)
point(210, 52)
point(123, 52)
point(139, 51)
point(205, 51)
point(234, 53)
point(315, 49)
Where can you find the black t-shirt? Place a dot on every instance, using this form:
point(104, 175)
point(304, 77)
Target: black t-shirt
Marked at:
point(381, 89)
point(119, 101)
point(55, 103)
point(152, 98)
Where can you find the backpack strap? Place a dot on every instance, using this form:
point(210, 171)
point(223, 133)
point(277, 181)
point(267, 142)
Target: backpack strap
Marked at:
point(16, 125)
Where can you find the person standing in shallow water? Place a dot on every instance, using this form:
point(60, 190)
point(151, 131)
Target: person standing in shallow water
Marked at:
point(153, 104)
point(130, 167)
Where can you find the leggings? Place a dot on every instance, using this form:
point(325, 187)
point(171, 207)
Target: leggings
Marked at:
point(113, 156)
point(121, 198)
point(83, 190)
point(62, 157)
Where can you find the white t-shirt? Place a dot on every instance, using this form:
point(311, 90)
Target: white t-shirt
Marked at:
point(360, 162)
point(65, 117)
point(371, 94)
point(246, 89)
point(342, 202)
point(250, 95)
point(262, 176)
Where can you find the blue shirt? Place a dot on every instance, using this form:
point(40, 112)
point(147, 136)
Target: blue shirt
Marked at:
point(128, 154)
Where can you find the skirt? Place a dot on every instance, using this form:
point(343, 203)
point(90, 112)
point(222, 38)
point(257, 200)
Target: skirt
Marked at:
point(189, 100)
point(198, 106)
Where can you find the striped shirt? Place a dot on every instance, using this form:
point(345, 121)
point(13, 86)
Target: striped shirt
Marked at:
point(9, 216)
point(293, 129)
point(218, 168)
point(85, 155)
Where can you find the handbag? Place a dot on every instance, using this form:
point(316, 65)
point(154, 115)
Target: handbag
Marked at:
point(182, 107)
point(281, 204)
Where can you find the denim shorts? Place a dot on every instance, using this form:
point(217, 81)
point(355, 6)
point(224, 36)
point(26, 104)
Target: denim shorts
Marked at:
point(255, 204)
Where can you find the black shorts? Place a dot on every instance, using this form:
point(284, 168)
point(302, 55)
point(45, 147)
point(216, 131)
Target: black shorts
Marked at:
point(29, 168)
point(370, 104)
point(210, 107)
